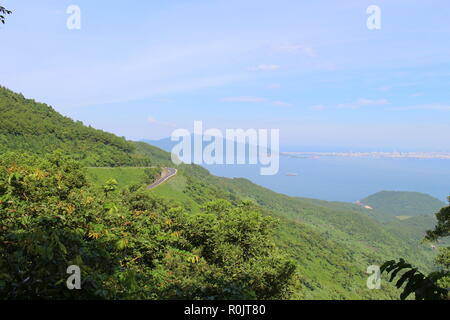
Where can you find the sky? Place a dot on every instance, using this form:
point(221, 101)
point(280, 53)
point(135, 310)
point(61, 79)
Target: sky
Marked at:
point(312, 69)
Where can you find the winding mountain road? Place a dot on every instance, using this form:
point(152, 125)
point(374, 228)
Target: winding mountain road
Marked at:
point(165, 175)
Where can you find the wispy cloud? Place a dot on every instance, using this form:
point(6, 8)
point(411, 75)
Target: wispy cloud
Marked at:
point(250, 99)
point(363, 103)
point(153, 121)
point(265, 67)
point(367, 102)
point(352, 105)
point(298, 49)
point(391, 87)
point(385, 88)
point(244, 99)
point(281, 104)
point(431, 107)
point(317, 107)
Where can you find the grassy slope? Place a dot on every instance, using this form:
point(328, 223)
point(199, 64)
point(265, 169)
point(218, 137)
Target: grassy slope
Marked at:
point(173, 190)
point(125, 176)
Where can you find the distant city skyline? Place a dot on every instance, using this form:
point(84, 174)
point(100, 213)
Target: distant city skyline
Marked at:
point(372, 154)
point(311, 69)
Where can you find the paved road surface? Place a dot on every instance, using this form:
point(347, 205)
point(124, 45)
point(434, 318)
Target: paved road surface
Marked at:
point(166, 175)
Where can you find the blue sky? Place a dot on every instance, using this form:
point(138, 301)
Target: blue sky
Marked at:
point(312, 69)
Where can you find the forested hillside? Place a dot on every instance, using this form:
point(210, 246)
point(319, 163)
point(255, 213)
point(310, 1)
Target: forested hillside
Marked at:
point(128, 244)
point(388, 205)
point(343, 222)
point(35, 127)
point(196, 236)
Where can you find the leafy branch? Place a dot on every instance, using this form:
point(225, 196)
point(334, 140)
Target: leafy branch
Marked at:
point(3, 12)
point(416, 282)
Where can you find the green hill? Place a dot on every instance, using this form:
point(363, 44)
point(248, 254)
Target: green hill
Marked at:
point(341, 229)
point(35, 127)
point(332, 243)
point(124, 176)
point(390, 204)
point(412, 229)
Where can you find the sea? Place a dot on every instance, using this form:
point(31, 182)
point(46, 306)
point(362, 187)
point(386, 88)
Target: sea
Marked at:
point(347, 178)
point(341, 178)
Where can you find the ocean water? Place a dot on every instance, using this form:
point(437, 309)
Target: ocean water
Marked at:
point(347, 179)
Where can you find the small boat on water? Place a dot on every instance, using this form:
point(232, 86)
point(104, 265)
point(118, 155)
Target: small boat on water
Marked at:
point(291, 174)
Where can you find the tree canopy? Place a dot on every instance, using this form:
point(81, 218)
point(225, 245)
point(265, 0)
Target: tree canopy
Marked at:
point(28, 126)
point(128, 244)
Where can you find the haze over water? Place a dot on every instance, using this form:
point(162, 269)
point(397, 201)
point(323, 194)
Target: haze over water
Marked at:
point(347, 179)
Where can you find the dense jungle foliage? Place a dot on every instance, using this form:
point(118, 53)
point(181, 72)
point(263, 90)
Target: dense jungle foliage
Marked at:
point(128, 244)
